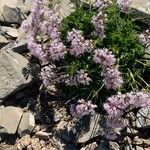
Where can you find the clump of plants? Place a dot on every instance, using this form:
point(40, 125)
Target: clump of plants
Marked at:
point(95, 55)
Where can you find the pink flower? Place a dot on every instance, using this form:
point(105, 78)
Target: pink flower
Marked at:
point(98, 21)
point(124, 4)
point(82, 108)
point(78, 44)
point(57, 50)
point(144, 37)
point(102, 3)
point(112, 78)
point(104, 57)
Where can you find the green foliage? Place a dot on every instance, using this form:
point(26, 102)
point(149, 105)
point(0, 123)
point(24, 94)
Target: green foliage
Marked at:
point(80, 20)
point(121, 39)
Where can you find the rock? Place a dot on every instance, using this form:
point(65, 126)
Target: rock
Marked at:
point(140, 148)
point(10, 118)
point(23, 142)
point(114, 146)
point(3, 41)
point(43, 135)
point(66, 7)
point(12, 72)
point(143, 118)
point(27, 124)
point(131, 131)
point(10, 11)
point(90, 127)
point(10, 31)
point(57, 144)
point(43, 143)
point(20, 44)
point(139, 141)
point(91, 146)
point(27, 6)
point(103, 145)
point(141, 9)
point(35, 143)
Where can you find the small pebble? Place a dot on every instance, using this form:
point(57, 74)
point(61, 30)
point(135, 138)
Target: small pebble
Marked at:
point(42, 142)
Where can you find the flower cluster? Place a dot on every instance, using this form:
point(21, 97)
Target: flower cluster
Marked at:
point(50, 26)
point(79, 78)
point(112, 78)
point(57, 50)
point(82, 78)
point(35, 48)
point(116, 105)
point(44, 22)
point(145, 37)
point(82, 108)
point(124, 4)
point(101, 3)
point(78, 44)
point(98, 21)
point(104, 57)
point(31, 26)
point(49, 76)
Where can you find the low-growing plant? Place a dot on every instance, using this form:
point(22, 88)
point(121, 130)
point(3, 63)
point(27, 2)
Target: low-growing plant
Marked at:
point(92, 54)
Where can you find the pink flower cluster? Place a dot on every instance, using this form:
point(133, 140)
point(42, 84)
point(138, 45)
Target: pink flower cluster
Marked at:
point(42, 23)
point(145, 37)
point(49, 76)
point(124, 4)
point(57, 50)
point(82, 108)
point(104, 57)
point(98, 21)
point(102, 3)
point(116, 106)
point(78, 44)
point(112, 77)
point(80, 78)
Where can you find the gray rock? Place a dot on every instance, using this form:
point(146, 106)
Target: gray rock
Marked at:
point(10, 31)
point(143, 118)
point(114, 146)
point(91, 146)
point(141, 9)
point(20, 44)
point(103, 145)
point(66, 8)
point(62, 146)
point(12, 72)
point(131, 131)
point(10, 118)
point(27, 124)
point(43, 135)
point(27, 6)
point(3, 41)
point(90, 127)
point(10, 11)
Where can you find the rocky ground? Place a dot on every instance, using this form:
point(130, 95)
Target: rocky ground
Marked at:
point(35, 121)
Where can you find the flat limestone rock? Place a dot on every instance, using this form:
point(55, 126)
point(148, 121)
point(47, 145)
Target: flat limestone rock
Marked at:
point(10, 11)
point(27, 124)
point(141, 10)
point(143, 118)
point(66, 8)
point(10, 118)
point(12, 76)
point(90, 127)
